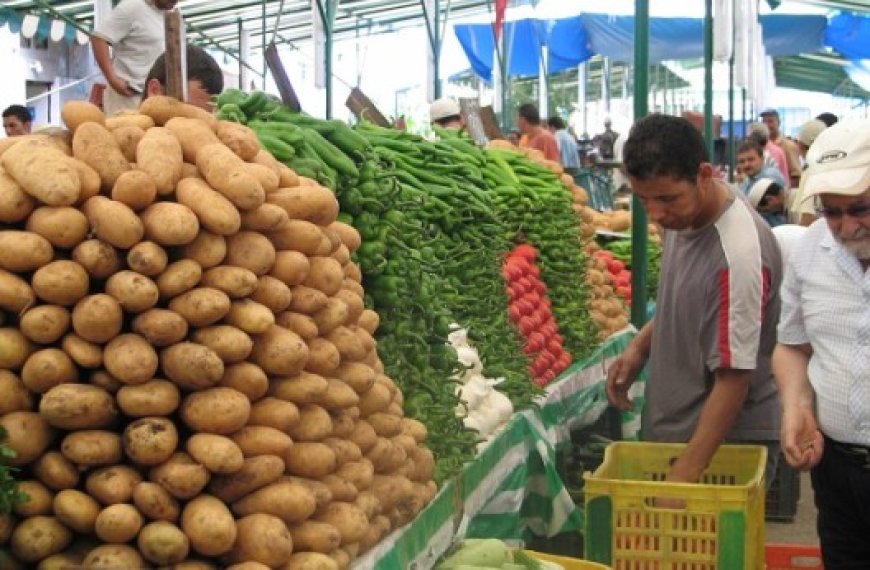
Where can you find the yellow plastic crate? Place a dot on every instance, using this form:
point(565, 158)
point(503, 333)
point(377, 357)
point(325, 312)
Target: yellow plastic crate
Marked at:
point(720, 528)
point(567, 563)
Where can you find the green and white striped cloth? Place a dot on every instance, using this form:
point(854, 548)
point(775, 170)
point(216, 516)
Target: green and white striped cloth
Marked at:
point(512, 490)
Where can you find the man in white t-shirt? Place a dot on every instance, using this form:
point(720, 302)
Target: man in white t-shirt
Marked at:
point(135, 30)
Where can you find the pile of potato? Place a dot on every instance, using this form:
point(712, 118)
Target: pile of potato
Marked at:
point(187, 370)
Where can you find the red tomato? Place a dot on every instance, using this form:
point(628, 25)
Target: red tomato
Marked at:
point(545, 358)
point(512, 271)
point(623, 279)
point(614, 266)
point(526, 251)
point(514, 313)
point(564, 361)
point(540, 287)
point(554, 346)
point(624, 292)
point(549, 376)
point(527, 326)
point(534, 271)
point(526, 283)
point(603, 254)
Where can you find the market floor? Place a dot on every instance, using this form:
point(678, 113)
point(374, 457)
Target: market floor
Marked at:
point(803, 529)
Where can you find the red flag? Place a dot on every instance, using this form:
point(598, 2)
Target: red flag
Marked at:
point(500, 8)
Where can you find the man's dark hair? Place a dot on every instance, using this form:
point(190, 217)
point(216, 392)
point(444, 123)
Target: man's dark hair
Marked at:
point(200, 66)
point(448, 119)
point(770, 112)
point(758, 132)
point(829, 119)
point(19, 111)
point(529, 111)
point(661, 145)
point(750, 146)
point(773, 190)
point(556, 122)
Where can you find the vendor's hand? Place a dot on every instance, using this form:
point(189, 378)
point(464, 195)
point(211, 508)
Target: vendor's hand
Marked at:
point(801, 441)
point(621, 375)
point(121, 86)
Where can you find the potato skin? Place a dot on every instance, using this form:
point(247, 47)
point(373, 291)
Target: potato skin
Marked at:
point(181, 476)
point(217, 453)
point(160, 327)
point(43, 171)
point(262, 538)
point(209, 524)
point(155, 502)
point(14, 396)
point(76, 510)
point(78, 406)
point(98, 148)
point(170, 223)
point(118, 523)
point(99, 258)
point(130, 359)
point(219, 410)
point(113, 556)
point(92, 447)
point(39, 537)
point(256, 473)
point(153, 398)
point(56, 471)
point(112, 485)
point(178, 277)
point(150, 441)
point(163, 543)
point(47, 368)
point(60, 282)
point(65, 227)
point(191, 366)
point(215, 212)
point(114, 222)
point(97, 318)
point(159, 155)
point(201, 306)
point(45, 323)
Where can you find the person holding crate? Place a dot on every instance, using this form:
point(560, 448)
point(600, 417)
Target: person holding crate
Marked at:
point(710, 343)
point(822, 359)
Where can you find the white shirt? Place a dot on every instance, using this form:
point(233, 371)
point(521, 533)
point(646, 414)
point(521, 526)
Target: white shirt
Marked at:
point(135, 28)
point(826, 303)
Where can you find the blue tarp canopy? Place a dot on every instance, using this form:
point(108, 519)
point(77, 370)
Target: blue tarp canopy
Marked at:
point(572, 41)
point(849, 35)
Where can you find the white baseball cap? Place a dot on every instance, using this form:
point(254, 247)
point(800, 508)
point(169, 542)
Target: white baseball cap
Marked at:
point(758, 190)
point(442, 108)
point(810, 130)
point(839, 160)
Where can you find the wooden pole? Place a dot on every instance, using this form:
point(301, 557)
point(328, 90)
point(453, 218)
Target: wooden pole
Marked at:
point(176, 56)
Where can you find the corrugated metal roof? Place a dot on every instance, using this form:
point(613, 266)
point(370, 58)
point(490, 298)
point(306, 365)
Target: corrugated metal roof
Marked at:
point(821, 72)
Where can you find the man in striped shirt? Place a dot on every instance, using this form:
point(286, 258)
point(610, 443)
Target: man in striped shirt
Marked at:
point(710, 343)
point(822, 361)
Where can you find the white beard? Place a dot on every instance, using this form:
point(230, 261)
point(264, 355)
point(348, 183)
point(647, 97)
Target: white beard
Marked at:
point(859, 246)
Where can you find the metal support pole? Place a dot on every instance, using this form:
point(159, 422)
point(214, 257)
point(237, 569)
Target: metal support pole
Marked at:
point(581, 94)
point(708, 77)
point(241, 64)
point(433, 29)
point(732, 140)
point(327, 16)
point(263, 41)
point(638, 214)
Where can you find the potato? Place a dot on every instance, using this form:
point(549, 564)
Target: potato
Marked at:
point(163, 543)
point(249, 565)
point(227, 174)
point(55, 471)
point(364, 436)
point(262, 440)
point(314, 204)
point(62, 561)
point(215, 212)
point(315, 536)
point(133, 291)
point(341, 489)
point(231, 344)
point(236, 282)
point(159, 155)
point(37, 501)
point(14, 396)
point(323, 358)
point(250, 250)
point(311, 561)
point(297, 235)
point(193, 134)
point(78, 406)
point(60, 282)
point(201, 306)
point(82, 352)
point(207, 249)
point(76, 112)
point(127, 137)
point(216, 410)
point(358, 376)
point(264, 218)
point(22, 251)
point(114, 222)
point(348, 343)
point(153, 398)
point(303, 325)
point(375, 399)
point(160, 327)
point(272, 412)
point(359, 472)
point(322, 494)
point(262, 538)
point(97, 318)
point(15, 348)
point(96, 147)
point(341, 255)
point(325, 275)
point(272, 293)
point(38, 537)
point(334, 314)
point(368, 504)
point(192, 366)
point(391, 490)
point(247, 378)
point(291, 502)
point(307, 301)
point(239, 139)
point(415, 429)
point(217, 453)
point(353, 276)
point(155, 502)
point(63, 226)
point(344, 422)
point(98, 258)
point(385, 425)
point(47, 368)
point(249, 316)
point(113, 557)
point(118, 523)
point(424, 464)
point(178, 277)
point(76, 510)
point(354, 303)
point(147, 258)
point(104, 380)
point(136, 189)
point(314, 424)
point(344, 450)
point(291, 267)
point(170, 223)
point(256, 472)
point(90, 181)
point(386, 456)
point(15, 203)
point(150, 441)
point(310, 459)
point(7, 524)
point(304, 388)
point(210, 526)
point(181, 476)
point(279, 351)
point(92, 447)
point(43, 171)
point(130, 359)
point(45, 324)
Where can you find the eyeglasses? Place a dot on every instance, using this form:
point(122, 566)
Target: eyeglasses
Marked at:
point(854, 211)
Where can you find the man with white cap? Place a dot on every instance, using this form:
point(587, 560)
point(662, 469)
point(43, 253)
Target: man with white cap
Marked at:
point(445, 113)
point(802, 211)
point(768, 198)
point(822, 359)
